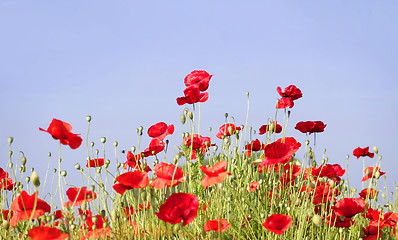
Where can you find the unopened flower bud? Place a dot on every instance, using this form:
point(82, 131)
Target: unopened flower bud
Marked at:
point(317, 220)
point(77, 166)
point(183, 119)
point(332, 184)
point(271, 127)
point(190, 115)
point(35, 179)
point(307, 142)
point(27, 179)
point(88, 118)
point(230, 130)
point(377, 175)
point(103, 139)
point(23, 160)
point(92, 144)
point(226, 115)
point(375, 150)
point(10, 140)
point(64, 173)
point(22, 168)
point(115, 143)
point(5, 224)
point(141, 128)
point(133, 149)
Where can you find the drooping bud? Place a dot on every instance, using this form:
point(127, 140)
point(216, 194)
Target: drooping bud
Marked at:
point(103, 139)
point(10, 140)
point(64, 173)
point(190, 115)
point(23, 160)
point(77, 166)
point(88, 118)
point(375, 150)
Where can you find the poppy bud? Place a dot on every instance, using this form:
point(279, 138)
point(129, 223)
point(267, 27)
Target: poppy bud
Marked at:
point(332, 184)
point(317, 220)
point(190, 115)
point(311, 155)
point(27, 179)
point(64, 173)
point(5, 224)
point(307, 142)
point(119, 165)
point(367, 172)
point(230, 130)
point(23, 160)
point(377, 175)
point(375, 150)
point(115, 143)
point(183, 119)
point(35, 179)
point(22, 168)
point(215, 148)
point(175, 160)
point(88, 118)
point(383, 195)
point(133, 148)
point(226, 115)
point(247, 93)
point(77, 166)
point(11, 164)
point(10, 140)
point(141, 128)
point(92, 188)
point(10, 153)
point(379, 157)
point(92, 144)
point(103, 139)
point(108, 162)
point(271, 127)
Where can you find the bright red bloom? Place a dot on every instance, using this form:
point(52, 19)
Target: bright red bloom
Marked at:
point(291, 93)
point(62, 131)
point(371, 172)
point(133, 161)
point(47, 233)
point(372, 233)
point(369, 193)
point(290, 173)
point(167, 175)
point(310, 127)
point(349, 207)
point(23, 207)
point(215, 174)
point(192, 95)
point(275, 153)
point(160, 130)
point(276, 128)
point(227, 129)
point(291, 141)
point(77, 196)
point(332, 171)
point(278, 223)
point(5, 181)
point(130, 180)
point(179, 207)
point(197, 78)
point(95, 162)
point(155, 147)
point(255, 145)
point(337, 221)
point(362, 152)
point(253, 186)
point(218, 225)
point(199, 144)
point(323, 193)
point(100, 232)
point(141, 207)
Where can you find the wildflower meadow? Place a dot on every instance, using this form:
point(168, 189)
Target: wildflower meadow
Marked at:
point(228, 182)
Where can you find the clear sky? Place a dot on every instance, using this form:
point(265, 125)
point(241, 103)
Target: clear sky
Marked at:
point(123, 63)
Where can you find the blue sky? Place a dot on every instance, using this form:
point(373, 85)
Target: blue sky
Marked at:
point(123, 63)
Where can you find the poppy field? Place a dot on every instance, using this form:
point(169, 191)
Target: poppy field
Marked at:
point(243, 183)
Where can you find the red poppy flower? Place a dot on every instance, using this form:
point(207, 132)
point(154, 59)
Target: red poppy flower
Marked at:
point(275, 153)
point(5, 213)
point(199, 144)
point(368, 193)
point(192, 95)
point(255, 145)
point(77, 196)
point(276, 128)
point(47, 233)
point(130, 180)
point(62, 131)
point(290, 141)
point(155, 147)
point(323, 193)
point(197, 78)
point(290, 173)
point(337, 221)
point(253, 186)
point(278, 223)
point(362, 152)
point(95, 162)
point(141, 207)
point(349, 207)
point(372, 172)
point(372, 233)
point(24, 207)
point(215, 174)
point(310, 127)
point(218, 225)
point(133, 161)
point(5, 181)
point(179, 207)
point(332, 171)
point(291, 93)
point(160, 130)
point(167, 175)
point(227, 129)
